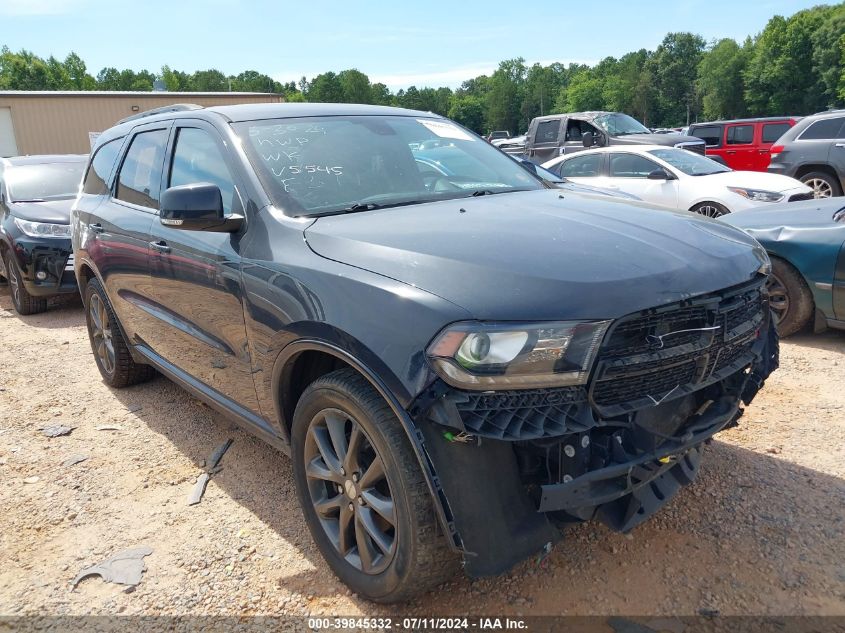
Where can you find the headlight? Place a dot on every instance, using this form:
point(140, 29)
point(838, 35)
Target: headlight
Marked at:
point(516, 356)
point(758, 195)
point(43, 229)
point(763, 257)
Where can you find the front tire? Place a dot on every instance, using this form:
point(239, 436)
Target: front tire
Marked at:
point(363, 494)
point(823, 184)
point(789, 298)
point(24, 302)
point(111, 353)
point(710, 209)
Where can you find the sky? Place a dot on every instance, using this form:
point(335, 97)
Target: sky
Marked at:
point(399, 43)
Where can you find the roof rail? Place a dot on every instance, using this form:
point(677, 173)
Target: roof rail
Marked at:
point(176, 107)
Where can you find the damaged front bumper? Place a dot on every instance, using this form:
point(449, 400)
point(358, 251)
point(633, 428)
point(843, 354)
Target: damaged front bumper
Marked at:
point(512, 466)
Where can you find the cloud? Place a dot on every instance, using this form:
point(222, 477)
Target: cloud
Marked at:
point(434, 78)
point(38, 7)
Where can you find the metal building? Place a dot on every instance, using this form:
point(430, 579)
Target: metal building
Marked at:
point(64, 122)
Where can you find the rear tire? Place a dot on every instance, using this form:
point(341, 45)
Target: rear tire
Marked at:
point(710, 209)
point(111, 353)
point(789, 298)
point(342, 505)
point(823, 184)
point(23, 302)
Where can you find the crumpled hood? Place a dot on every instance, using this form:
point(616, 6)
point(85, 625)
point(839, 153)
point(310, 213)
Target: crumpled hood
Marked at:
point(541, 255)
point(51, 211)
point(754, 180)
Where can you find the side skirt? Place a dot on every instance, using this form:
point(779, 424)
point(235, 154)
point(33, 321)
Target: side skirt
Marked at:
point(243, 417)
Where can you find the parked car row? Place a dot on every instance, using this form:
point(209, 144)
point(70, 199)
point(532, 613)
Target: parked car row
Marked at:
point(461, 351)
point(810, 149)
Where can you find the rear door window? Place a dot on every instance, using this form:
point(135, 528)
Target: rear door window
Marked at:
point(740, 135)
point(581, 166)
point(826, 129)
point(773, 131)
point(547, 131)
point(139, 181)
point(710, 134)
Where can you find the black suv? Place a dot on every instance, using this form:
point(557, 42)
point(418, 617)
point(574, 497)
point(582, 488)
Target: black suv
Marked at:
point(457, 365)
point(813, 151)
point(36, 194)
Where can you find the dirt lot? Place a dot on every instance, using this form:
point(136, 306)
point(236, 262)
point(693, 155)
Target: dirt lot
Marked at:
point(762, 531)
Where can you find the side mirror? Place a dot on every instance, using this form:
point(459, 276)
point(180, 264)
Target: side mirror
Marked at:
point(197, 207)
point(587, 139)
point(660, 174)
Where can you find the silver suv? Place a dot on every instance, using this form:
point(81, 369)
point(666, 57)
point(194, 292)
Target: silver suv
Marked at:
point(813, 151)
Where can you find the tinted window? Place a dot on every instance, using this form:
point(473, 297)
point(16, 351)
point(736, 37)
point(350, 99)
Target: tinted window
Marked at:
point(710, 134)
point(547, 131)
point(96, 180)
point(197, 158)
point(773, 131)
point(581, 166)
point(824, 129)
point(740, 135)
point(44, 181)
point(140, 176)
point(631, 166)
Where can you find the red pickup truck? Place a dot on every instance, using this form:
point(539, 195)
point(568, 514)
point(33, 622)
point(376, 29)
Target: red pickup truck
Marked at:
point(742, 144)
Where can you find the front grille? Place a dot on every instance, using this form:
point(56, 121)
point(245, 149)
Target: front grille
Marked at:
point(801, 196)
point(698, 148)
point(523, 415)
point(665, 352)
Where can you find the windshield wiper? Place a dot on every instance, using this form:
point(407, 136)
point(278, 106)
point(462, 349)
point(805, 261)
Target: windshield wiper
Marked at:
point(28, 200)
point(489, 192)
point(357, 207)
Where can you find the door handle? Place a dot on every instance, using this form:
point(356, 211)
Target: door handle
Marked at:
point(96, 227)
point(839, 144)
point(763, 151)
point(730, 151)
point(160, 246)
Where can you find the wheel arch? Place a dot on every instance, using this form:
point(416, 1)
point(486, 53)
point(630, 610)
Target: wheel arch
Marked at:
point(315, 357)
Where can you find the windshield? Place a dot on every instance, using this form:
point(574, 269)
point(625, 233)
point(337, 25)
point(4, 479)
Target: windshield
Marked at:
point(44, 181)
point(688, 162)
point(620, 124)
point(322, 165)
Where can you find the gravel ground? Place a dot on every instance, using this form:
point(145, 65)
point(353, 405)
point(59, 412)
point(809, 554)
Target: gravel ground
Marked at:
point(762, 530)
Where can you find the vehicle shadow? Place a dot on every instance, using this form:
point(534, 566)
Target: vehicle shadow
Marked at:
point(829, 340)
point(62, 311)
point(754, 534)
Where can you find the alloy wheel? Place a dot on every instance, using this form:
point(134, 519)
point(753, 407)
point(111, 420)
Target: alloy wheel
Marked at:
point(710, 211)
point(14, 284)
point(349, 491)
point(101, 333)
point(778, 298)
point(821, 188)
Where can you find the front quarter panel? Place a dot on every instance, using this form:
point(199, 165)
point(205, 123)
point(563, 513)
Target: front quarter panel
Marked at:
point(813, 249)
point(293, 294)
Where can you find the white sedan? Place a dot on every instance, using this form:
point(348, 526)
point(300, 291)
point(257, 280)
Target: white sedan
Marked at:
point(677, 178)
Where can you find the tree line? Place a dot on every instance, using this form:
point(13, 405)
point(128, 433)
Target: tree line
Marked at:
point(796, 65)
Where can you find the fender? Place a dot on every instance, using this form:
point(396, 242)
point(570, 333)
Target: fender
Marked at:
point(415, 436)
